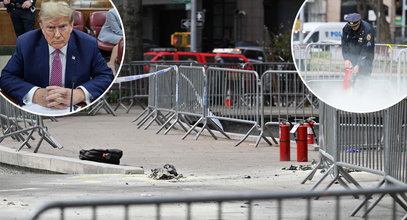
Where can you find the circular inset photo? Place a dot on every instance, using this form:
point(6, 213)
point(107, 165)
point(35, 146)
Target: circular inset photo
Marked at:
point(352, 60)
point(66, 60)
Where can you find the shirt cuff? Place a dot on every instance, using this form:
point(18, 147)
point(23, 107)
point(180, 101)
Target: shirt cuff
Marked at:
point(28, 98)
point(88, 96)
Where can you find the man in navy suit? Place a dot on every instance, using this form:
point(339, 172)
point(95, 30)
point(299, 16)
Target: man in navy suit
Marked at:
point(48, 62)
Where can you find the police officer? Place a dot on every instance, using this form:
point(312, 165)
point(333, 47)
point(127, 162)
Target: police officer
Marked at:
point(358, 42)
point(21, 14)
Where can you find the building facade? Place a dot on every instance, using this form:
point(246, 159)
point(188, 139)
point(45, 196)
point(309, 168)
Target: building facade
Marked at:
point(226, 21)
point(327, 11)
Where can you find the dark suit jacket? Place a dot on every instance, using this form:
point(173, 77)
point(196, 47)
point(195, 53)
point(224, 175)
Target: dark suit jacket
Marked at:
point(29, 65)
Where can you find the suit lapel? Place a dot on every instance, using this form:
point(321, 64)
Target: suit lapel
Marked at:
point(72, 61)
point(43, 63)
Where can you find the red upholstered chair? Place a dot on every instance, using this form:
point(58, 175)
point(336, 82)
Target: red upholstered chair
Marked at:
point(78, 22)
point(120, 51)
point(96, 21)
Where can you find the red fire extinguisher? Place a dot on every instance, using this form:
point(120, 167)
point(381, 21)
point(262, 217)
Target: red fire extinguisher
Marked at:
point(310, 132)
point(284, 142)
point(347, 79)
point(302, 145)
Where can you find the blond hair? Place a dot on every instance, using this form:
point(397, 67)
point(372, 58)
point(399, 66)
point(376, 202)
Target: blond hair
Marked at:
point(55, 9)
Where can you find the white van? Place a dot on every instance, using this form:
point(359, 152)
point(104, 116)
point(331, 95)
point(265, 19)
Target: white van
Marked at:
point(320, 32)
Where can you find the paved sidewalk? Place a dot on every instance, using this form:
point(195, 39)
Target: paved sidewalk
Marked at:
point(145, 148)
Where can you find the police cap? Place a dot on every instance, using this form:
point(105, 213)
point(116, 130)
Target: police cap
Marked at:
point(353, 19)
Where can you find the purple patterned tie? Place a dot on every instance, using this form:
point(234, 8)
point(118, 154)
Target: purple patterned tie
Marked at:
point(56, 71)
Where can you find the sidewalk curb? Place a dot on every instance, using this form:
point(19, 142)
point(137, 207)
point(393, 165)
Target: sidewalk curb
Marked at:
point(60, 164)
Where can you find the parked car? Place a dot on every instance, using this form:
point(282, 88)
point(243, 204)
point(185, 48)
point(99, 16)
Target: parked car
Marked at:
point(191, 56)
point(254, 54)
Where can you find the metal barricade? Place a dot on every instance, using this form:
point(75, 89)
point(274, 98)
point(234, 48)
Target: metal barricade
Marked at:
point(21, 125)
point(162, 96)
point(151, 105)
point(233, 95)
point(324, 61)
point(360, 139)
point(260, 68)
point(223, 65)
point(137, 90)
point(397, 142)
point(101, 103)
point(249, 205)
point(228, 94)
point(371, 142)
point(353, 140)
point(191, 86)
point(299, 55)
point(193, 100)
point(132, 91)
point(385, 60)
point(327, 142)
point(402, 68)
point(181, 94)
point(192, 94)
point(285, 96)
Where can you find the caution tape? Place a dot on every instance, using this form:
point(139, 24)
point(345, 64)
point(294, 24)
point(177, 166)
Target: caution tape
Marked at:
point(137, 77)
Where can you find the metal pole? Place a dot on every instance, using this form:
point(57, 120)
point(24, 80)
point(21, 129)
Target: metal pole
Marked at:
point(403, 20)
point(379, 8)
point(302, 17)
point(193, 26)
point(387, 140)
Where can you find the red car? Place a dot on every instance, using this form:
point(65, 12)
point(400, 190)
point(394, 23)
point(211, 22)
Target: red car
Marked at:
point(198, 57)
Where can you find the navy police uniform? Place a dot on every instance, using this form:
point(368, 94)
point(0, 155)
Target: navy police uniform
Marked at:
point(358, 45)
point(23, 18)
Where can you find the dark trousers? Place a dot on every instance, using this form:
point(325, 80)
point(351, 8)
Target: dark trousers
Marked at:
point(23, 20)
point(365, 70)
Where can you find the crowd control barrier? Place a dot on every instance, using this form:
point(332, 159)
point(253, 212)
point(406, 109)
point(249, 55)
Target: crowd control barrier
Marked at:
point(21, 125)
point(284, 98)
point(133, 91)
point(233, 95)
point(371, 142)
point(260, 68)
point(324, 61)
point(192, 95)
point(242, 205)
point(402, 66)
point(193, 100)
point(101, 103)
point(162, 100)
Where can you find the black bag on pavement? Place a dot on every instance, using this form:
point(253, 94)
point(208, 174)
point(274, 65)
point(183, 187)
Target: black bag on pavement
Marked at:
point(111, 156)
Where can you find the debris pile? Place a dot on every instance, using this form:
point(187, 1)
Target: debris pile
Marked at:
point(166, 173)
point(298, 167)
point(301, 167)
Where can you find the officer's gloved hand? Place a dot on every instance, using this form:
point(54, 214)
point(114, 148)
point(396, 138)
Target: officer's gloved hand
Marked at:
point(348, 64)
point(27, 4)
point(356, 69)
